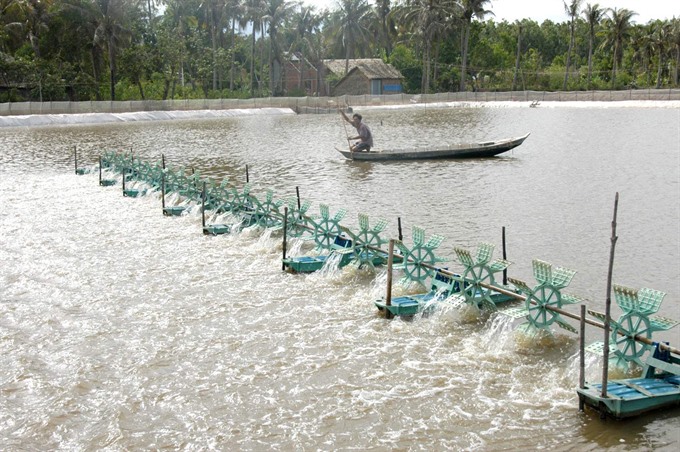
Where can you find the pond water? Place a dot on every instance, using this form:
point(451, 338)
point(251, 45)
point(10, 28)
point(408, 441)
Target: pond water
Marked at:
point(122, 329)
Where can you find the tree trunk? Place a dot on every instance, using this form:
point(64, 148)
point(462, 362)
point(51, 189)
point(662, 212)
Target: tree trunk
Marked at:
point(519, 47)
point(659, 71)
point(590, 57)
point(233, 53)
point(571, 47)
point(112, 69)
point(463, 64)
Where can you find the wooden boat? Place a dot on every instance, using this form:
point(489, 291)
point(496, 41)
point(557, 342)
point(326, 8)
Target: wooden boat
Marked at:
point(456, 151)
point(658, 388)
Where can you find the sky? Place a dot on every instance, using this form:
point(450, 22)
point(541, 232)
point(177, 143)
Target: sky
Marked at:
point(540, 10)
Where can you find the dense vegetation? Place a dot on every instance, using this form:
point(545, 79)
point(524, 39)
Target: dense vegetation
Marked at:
point(165, 49)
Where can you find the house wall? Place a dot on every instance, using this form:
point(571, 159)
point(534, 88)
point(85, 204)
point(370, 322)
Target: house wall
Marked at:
point(356, 83)
point(291, 79)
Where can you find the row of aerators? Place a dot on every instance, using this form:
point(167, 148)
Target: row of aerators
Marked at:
point(628, 340)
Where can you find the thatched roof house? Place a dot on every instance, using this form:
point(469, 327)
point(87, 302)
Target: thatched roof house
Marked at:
point(365, 76)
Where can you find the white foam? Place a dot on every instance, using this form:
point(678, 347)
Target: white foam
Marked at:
point(101, 118)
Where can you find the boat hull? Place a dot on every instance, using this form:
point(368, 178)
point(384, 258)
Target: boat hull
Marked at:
point(461, 151)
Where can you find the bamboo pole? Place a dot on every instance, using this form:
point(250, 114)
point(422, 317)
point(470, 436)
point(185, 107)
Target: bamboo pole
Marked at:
point(505, 256)
point(163, 191)
point(608, 305)
point(203, 206)
point(401, 236)
point(388, 295)
point(582, 356)
point(285, 227)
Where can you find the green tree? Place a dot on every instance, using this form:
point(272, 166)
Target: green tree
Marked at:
point(351, 27)
point(427, 19)
point(254, 10)
point(476, 9)
point(593, 15)
point(277, 12)
point(572, 10)
point(305, 23)
point(617, 30)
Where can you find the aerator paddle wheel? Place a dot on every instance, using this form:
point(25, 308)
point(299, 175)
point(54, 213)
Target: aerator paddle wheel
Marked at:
point(637, 320)
point(366, 240)
point(542, 298)
point(297, 221)
point(479, 272)
point(326, 229)
point(267, 212)
point(419, 261)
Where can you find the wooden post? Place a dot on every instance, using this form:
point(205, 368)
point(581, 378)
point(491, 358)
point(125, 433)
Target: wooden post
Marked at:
point(75, 157)
point(163, 161)
point(203, 206)
point(297, 192)
point(505, 256)
point(582, 356)
point(388, 295)
point(247, 175)
point(285, 227)
point(100, 170)
point(163, 191)
point(401, 237)
point(608, 305)
point(123, 171)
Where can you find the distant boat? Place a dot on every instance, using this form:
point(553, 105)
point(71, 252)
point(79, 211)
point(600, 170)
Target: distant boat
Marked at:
point(456, 151)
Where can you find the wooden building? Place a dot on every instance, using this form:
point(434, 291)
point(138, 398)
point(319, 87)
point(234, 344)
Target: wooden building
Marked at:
point(364, 76)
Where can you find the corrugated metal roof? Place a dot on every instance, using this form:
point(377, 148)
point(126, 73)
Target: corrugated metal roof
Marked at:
point(372, 68)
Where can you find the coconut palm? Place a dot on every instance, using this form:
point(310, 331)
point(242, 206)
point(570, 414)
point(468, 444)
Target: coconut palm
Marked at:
point(572, 10)
point(476, 9)
point(214, 11)
point(617, 30)
point(277, 12)
point(254, 10)
point(305, 22)
point(236, 10)
point(675, 45)
point(429, 19)
point(109, 19)
point(593, 15)
point(352, 26)
point(384, 25)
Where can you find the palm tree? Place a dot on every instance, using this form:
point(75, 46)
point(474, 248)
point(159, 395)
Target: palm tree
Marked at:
point(675, 44)
point(384, 25)
point(109, 18)
point(253, 15)
point(572, 10)
point(236, 10)
point(305, 22)
point(429, 18)
point(214, 15)
point(471, 8)
point(660, 38)
point(519, 52)
point(617, 31)
point(352, 26)
point(643, 43)
point(276, 13)
point(593, 15)
point(181, 17)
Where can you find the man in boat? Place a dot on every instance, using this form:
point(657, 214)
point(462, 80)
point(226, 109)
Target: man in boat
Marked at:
point(365, 136)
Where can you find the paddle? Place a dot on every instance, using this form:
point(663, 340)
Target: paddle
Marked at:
point(342, 118)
